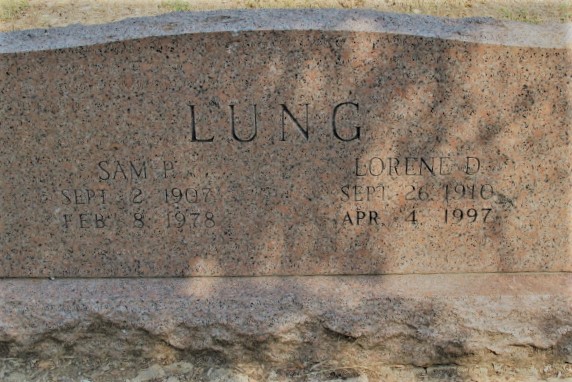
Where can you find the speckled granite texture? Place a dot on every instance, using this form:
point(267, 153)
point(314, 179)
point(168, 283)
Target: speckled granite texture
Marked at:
point(346, 143)
point(298, 323)
point(273, 143)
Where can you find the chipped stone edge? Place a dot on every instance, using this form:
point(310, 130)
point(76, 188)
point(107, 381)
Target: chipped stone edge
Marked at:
point(480, 317)
point(476, 30)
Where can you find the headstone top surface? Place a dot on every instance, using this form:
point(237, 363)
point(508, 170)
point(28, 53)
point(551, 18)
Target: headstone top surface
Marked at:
point(476, 29)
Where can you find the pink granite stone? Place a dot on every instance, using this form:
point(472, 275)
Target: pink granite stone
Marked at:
point(349, 143)
point(299, 323)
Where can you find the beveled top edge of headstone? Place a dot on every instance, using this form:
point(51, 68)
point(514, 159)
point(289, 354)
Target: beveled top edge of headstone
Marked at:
point(484, 30)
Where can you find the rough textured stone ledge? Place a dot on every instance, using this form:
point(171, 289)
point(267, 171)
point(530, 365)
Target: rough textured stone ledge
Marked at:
point(423, 320)
point(480, 29)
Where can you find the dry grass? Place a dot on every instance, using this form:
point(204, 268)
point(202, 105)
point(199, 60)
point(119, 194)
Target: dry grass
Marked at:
point(10, 9)
point(27, 14)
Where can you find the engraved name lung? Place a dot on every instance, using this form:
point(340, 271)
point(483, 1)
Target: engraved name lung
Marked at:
point(283, 153)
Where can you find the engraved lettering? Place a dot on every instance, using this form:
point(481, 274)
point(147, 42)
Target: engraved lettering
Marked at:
point(194, 137)
point(347, 219)
point(137, 196)
point(99, 221)
point(84, 220)
point(412, 166)
point(119, 170)
point(393, 166)
point(409, 169)
point(67, 220)
point(68, 197)
point(142, 170)
point(106, 175)
point(471, 215)
point(138, 220)
point(179, 219)
point(357, 193)
point(168, 167)
point(345, 191)
point(123, 171)
point(253, 135)
point(424, 162)
point(300, 128)
point(373, 217)
point(334, 122)
point(358, 167)
point(360, 215)
point(372, 166)
point(473, 165)
point(83, 196)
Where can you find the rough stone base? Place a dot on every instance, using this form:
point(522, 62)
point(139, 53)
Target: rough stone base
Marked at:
point(422, 327)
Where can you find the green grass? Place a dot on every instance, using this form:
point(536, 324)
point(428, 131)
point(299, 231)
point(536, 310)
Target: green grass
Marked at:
point(520, 14)
point(176, 5)
point(9, 9)
point(565, 10)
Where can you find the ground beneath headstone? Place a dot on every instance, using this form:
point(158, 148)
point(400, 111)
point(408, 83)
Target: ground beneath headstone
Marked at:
point(211, 368)
point(31, 14)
